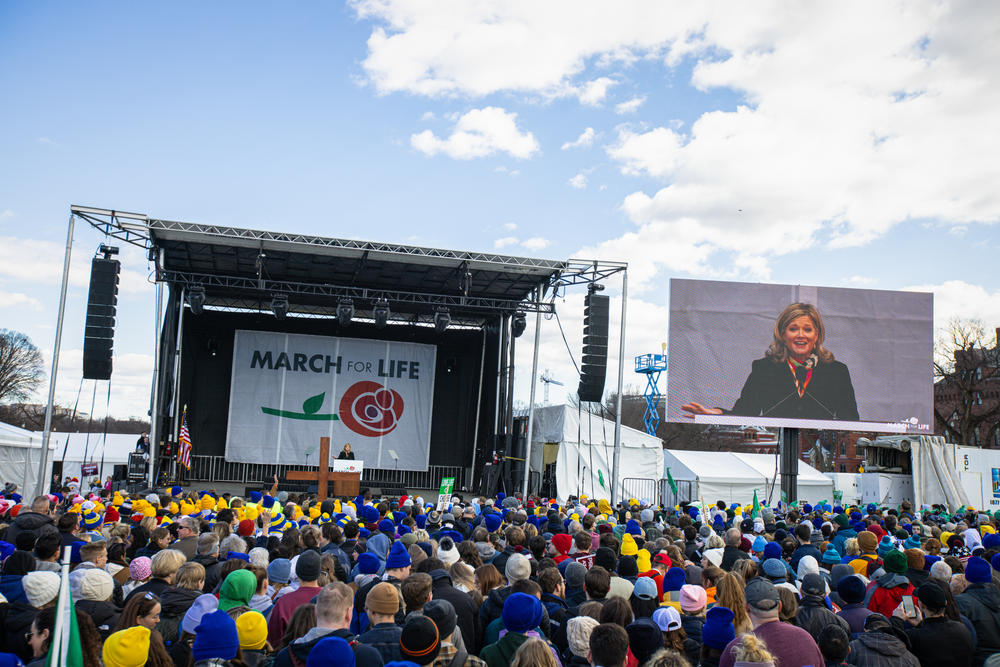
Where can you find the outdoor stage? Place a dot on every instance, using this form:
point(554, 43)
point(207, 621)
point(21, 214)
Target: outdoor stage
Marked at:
point(468, 307)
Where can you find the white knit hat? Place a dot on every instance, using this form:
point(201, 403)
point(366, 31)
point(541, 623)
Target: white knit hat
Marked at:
point(447, 552)
point(40, 588)
point(96, 584)
point(578, 631)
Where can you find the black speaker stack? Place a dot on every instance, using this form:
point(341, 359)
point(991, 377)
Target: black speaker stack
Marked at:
point(594, 366)
point(99, 334)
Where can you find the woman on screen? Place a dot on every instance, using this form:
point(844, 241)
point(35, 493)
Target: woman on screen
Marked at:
point(797, 378)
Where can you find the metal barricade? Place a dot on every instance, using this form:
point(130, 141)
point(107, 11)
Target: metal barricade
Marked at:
point(685, 492)
point(640, 488)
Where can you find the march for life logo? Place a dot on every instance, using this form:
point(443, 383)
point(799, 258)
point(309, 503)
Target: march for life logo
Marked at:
point(288, 390)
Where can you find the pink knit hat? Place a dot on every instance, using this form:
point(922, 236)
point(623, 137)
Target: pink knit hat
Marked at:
point(693, 598)
point(140, 569)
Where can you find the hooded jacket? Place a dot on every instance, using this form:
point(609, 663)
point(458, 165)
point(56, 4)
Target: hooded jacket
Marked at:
point(103, 614)
point(813, 616)
point(980, 603)
point(885, 594)
point(692, 626)
point(174, 603)
point(213, 571)
point(880, 649)
point(465, 608)
point(296, 653)
point(16, 621)
point(28, 521)
point(941, 641)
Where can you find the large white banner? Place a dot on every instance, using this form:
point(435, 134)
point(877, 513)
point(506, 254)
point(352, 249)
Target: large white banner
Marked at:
point(289, 390)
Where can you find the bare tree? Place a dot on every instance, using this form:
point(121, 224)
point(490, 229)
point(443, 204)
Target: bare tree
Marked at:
point(20, 366)
point(967, 383)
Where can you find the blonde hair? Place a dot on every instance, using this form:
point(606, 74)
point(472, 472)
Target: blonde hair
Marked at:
point(166, 562)
point(777, 352)
point(534, 652)
point(149, 523)
point(752, 649)
point(851, 547)
point(190, 576)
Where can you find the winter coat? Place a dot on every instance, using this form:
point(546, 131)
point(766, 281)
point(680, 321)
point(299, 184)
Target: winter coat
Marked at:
point(30, 522)
point(213, 571)
point(813, 616)
point(11, 588)
point(880, 649)
point(855, 615)
point(940, 641)
point(980, 603)
point(174, 603)
point(692, 626)
point(384, 638)
point(296, 654)
point(465, 608)
point(729, 557)
point(103, 614)
point(886, 592)
point(492, 606)
point(15, 620)
point(501, 653)
point(804, 550)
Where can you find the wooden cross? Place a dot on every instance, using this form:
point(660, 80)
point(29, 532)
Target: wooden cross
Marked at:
point(350, 483)
point(322, 476)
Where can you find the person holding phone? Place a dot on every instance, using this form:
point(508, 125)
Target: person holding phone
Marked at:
point(934, 638)
point(890, 588)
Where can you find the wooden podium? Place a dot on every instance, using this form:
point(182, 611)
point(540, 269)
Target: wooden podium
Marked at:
point(344, 483)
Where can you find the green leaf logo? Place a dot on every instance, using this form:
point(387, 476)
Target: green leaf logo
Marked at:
point(600, 477)
point(313, 404)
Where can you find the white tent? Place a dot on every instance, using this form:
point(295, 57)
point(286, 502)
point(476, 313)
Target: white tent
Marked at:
point(115, 450)
point(20, 457)
point(734, 476)
point(586, 447)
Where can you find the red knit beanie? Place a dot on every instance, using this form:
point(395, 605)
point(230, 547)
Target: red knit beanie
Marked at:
point(245, 529)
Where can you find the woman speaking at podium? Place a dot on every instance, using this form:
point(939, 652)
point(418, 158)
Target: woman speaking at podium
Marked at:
point(797, 378)
point(346, 453)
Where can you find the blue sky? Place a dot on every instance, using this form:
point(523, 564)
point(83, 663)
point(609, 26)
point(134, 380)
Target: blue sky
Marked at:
point(848, 146)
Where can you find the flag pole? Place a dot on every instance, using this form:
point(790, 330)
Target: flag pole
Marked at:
point(60, 637)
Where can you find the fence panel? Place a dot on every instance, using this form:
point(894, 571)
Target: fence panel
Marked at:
point(640, 488)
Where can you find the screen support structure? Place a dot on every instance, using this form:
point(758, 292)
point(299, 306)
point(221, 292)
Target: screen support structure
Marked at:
point(154, 399)
point(789, 439)
point(531, 401)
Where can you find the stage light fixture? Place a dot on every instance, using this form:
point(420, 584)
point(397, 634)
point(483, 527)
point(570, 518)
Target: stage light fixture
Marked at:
point(381, 313)
point(196, 299)
point(517, 324)
point(442, 318)
point(279, 305)
point(345, 312)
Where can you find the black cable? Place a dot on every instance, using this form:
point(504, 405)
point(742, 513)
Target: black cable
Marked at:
point(107, 413)
point(568, 350)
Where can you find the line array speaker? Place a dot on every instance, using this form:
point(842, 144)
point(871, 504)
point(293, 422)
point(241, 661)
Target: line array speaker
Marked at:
point(99, 332)
point(594, 366)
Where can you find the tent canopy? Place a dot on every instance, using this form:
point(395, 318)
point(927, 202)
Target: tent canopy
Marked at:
point(586, 453)
point(734, 476)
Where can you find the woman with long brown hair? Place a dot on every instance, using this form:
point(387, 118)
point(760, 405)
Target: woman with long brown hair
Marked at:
point(143, 610)
point(729, 593)
point(487, 578)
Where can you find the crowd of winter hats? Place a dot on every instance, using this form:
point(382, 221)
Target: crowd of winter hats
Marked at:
point(660, 558)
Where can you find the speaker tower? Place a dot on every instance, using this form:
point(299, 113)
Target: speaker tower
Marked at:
point(594, 366)
point(99, 334)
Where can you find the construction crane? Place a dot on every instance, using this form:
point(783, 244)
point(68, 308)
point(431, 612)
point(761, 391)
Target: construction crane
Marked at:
point(548, 379)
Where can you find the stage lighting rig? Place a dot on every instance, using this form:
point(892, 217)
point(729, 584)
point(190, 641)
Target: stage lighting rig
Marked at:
point(517, 324)
point(381, 313)
point(196, 299)
point(279, 305)
point(345, 312)
point(442, 318)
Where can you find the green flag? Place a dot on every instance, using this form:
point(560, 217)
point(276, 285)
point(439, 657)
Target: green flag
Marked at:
point(755, 512)
point(671, 482)
point(68, 652)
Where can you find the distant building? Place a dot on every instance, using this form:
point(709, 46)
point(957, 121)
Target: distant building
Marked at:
point(977, 388)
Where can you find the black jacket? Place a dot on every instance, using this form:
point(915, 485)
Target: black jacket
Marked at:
point(729, 557)
point(15, 621)
point(940, 641)
point(384, 638)
point(103, 614)
point(692, 626)
point(296, 654)
point(880, 649)
point(465, 608)
point(27, 521)
point(174, 603)
point(154, 586)
point(770, 391)
point(213, 569)
point(980, 603)
point(813, 616)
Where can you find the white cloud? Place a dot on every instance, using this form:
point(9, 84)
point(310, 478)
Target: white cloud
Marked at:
point(959, 299)
point(510, 226)
point(505, 170)
point(579, 181)
point(592, 93)
point(505, 242)
point(585, 139)
point(655, 152)
point(6, 213)
point(630, 106)
point(18, 300)
point(861, 280)
point(428, 116)
point(32, 261)
point(479, 133)
point(536, 243)
point(836, 141)
point(130, 386)
point(45, 141)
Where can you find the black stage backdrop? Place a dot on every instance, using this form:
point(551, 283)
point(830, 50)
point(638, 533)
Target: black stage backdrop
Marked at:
point(207, 360)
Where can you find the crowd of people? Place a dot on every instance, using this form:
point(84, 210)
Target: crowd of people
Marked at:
point(200, 578)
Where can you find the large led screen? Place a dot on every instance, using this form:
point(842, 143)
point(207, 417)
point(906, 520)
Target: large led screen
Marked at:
point(791, 355)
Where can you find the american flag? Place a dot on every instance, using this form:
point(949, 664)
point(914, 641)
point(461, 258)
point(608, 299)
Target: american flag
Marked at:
point(184, 441)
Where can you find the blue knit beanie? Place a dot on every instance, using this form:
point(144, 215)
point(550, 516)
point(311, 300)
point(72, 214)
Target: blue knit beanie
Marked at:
point(492, 521)
point(772, 550)
point(398, 557)
point(991, 541)
point(831, 556)
point(330, 651)
point(279, 570)
point(718, 630)
point(387, 526)
point(369, 514)
point(368, 563)
point(759, 543)
point(851, 589)
point(673, 579)
point(930, 560)
point(978, 571)
point(256, 496)
point(995, 562)
point(912, 542)
point(633, 527)
point(521, 612)
point(885, 545)
point(421, 520)
point(215, 637)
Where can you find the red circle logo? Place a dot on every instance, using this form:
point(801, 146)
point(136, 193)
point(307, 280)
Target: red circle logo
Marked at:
point(369, 409)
